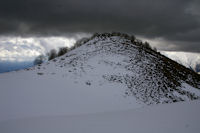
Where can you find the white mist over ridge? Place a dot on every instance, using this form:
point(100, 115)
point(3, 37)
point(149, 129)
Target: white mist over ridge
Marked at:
point(188, 59)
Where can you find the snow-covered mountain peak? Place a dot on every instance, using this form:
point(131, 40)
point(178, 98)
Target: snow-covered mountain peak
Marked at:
point(103, 73)
point(121, 59)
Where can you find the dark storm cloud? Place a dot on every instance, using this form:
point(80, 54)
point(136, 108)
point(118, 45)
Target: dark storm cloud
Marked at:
point(173, 20)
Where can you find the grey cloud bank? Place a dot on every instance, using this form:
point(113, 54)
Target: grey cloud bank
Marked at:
point(177, 21)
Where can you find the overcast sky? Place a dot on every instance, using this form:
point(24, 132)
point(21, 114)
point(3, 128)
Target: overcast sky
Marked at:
point(167, 24)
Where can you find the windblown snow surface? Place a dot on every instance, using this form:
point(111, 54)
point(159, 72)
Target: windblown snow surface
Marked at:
point(75, 92)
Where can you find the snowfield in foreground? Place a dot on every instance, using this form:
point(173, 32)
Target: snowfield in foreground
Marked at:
point(182, 117)
point(29, 95)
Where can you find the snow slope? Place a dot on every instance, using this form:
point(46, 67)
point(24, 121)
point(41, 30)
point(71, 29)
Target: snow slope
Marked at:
point(107, 73)
point(172, 118)
point(190, 60)
point(25, 94)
